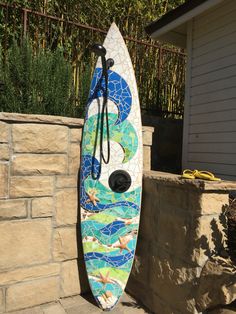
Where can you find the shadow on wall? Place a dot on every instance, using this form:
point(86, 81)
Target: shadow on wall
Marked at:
point(166, 152)
point(84, 284)
point(182, 249)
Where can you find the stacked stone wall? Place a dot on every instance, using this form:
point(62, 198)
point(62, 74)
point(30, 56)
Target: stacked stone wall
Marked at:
point(181, 230)
point(40, 244)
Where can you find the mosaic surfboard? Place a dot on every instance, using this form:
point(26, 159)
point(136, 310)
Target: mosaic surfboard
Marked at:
point(110, 220)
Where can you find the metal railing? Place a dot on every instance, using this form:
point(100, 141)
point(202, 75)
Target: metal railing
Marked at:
point(160, 71)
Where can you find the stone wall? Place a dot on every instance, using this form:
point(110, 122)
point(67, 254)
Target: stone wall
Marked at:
point(178, 267)
point(181, 240)
point(40, 244)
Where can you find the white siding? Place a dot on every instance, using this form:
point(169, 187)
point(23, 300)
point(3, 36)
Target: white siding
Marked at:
point(211, 116)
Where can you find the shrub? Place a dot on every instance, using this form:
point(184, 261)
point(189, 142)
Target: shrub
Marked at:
point(39, 82)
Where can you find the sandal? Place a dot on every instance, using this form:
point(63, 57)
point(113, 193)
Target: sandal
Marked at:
point(205, 175)
point(188, 174)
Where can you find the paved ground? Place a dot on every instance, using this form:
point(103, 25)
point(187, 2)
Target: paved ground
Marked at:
point(85, 305)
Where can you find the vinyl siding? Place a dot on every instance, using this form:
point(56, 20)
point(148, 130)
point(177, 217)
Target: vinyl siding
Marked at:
point(211, 132)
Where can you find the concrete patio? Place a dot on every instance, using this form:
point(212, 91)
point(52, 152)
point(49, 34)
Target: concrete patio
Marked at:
point(83, 304)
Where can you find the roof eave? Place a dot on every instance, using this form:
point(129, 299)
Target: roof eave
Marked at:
point(170, 33)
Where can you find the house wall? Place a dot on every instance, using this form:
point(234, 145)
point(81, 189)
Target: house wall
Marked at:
point(210, 118)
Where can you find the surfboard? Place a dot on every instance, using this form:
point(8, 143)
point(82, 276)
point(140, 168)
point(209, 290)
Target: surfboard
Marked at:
point(110, 191)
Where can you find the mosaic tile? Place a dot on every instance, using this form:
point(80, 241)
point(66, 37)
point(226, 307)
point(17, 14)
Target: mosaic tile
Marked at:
point(110, 220)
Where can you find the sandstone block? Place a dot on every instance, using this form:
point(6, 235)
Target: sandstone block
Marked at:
point(74, 158)
point(217, 284)
point(28, 294)
point(147, 136)
point(39, 164)
point(209, 237)
point(172, 223)
point(4, 180)
point(66, 207)
point(164, 287)
point(29, 186)
point(140, 269)
point(146, 157)
point(42, 207)
point(4, 152)
point(64, 244)
point(1, 301)
point(213, 203)
point(39, 138)
point(24, 243)
point(75, 135)
point(66, 182)
point(70, 278)
point(29, 273)
point(173, 198)
point(163, 265)
point(150, 299)
point(150, 209)
point(4, 132)
point(162, 306)
point(13, 209)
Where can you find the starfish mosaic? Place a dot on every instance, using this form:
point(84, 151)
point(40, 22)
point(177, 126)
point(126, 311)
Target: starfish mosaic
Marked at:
point(108, 294)
point(92, 197)
point(123, 244)
point(105, 279)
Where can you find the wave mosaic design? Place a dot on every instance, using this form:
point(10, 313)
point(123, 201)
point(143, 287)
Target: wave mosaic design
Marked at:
point(110, 220)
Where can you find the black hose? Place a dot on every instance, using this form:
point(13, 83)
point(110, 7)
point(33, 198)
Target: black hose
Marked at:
point(104, 112)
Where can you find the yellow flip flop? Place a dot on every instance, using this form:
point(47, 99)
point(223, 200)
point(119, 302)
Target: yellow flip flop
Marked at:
point(205, 175)
point(188, 174)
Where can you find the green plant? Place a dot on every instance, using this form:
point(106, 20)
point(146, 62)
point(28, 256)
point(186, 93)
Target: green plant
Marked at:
point(155, 68)
point(39, 82)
